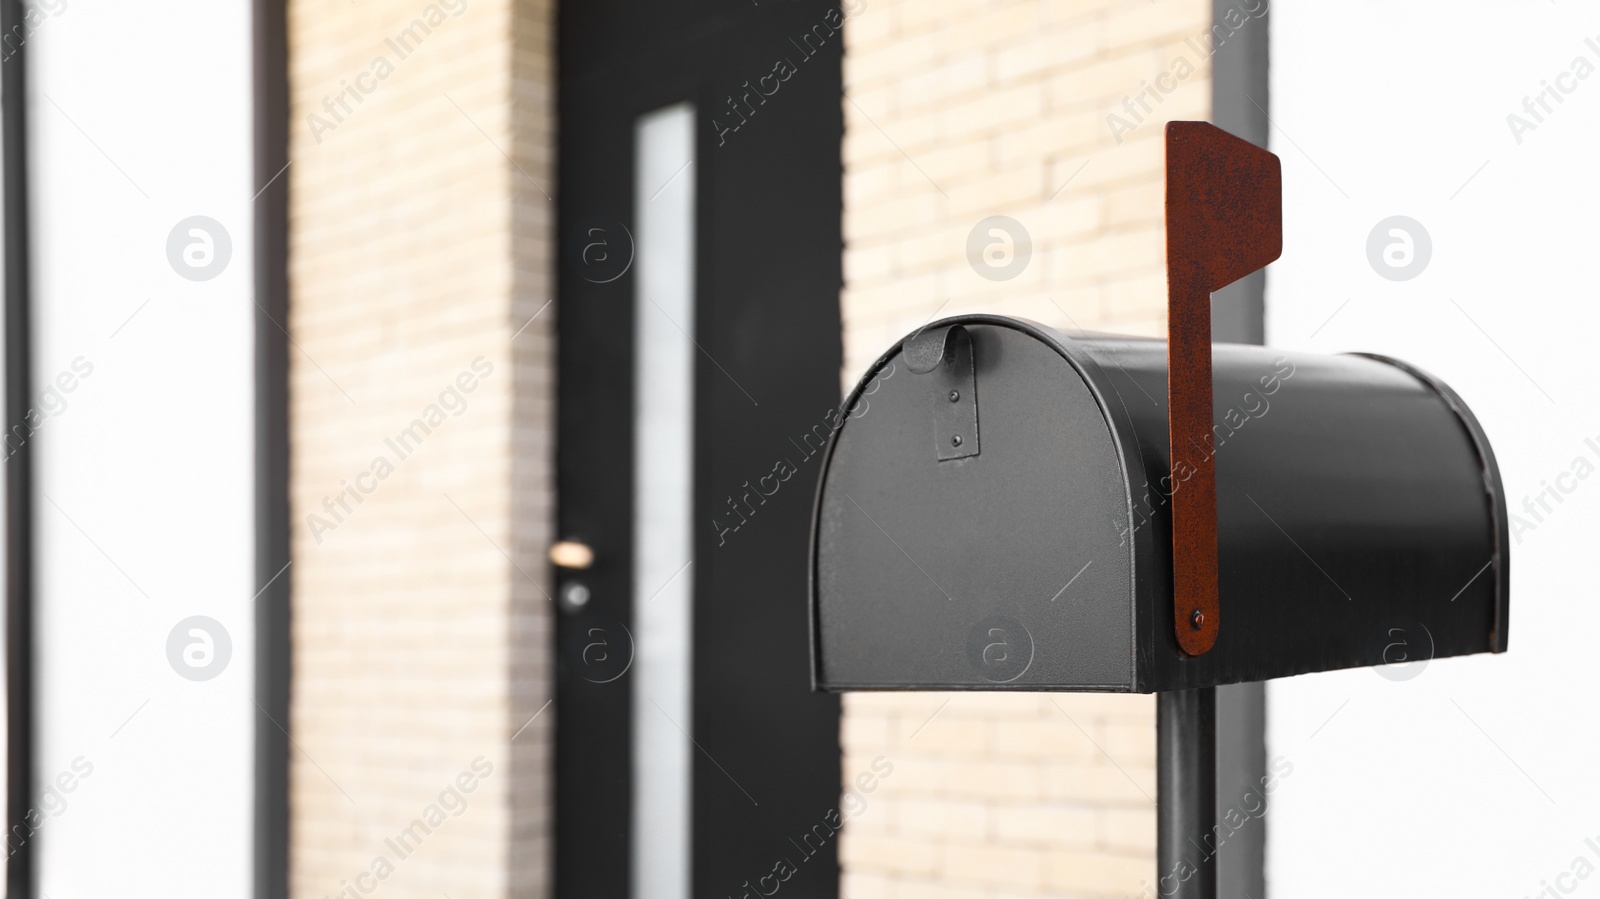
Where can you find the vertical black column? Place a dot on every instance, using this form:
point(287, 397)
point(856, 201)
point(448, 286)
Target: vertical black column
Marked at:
point(21, 873)
point(1186, 784)
point(1241, 770)
point(271, 122)
point(1239, 105)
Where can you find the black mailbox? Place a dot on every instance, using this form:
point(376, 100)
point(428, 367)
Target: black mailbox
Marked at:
point(1009, 507)
point(1002, 519)
point(1024, 510)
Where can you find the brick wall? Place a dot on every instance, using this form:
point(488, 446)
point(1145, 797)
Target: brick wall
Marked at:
point(956, 111)
point(418, 250)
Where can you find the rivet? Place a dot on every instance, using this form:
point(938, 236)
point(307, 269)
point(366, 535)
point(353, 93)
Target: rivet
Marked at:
point(1197, 619)
point(955, 396)
point(956, 440)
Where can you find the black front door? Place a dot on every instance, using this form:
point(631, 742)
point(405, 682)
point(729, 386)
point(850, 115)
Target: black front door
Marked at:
point(699, 341)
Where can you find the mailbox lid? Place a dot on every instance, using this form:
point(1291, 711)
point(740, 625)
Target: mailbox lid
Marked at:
point(1003, 562)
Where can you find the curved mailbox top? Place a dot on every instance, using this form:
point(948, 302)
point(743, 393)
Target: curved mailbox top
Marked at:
point(994, 512)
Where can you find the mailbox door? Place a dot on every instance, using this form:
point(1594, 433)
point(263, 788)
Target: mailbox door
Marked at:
point(1001, 562)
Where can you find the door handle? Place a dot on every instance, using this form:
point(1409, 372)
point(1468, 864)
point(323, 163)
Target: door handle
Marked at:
point(572, 554)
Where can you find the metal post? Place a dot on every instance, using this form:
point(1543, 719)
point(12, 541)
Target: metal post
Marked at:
point(1186, 787)
point(21, 875)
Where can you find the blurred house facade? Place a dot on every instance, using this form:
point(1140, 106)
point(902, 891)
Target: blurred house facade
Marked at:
point(293, 309)
point(422, 274)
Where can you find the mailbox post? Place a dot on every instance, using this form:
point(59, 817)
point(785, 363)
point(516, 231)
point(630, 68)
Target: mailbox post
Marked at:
point(1028, 510)
point(1186, 782)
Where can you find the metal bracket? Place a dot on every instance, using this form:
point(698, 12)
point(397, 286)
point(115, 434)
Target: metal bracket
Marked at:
point(947, 354)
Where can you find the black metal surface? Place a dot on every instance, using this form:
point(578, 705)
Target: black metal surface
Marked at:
point(915, 554)
point(593, 762)
point(1186, 784)
point(272, 609)
point(926, 348)
point(768, 238)
point(21, 865)
point(1353, 497)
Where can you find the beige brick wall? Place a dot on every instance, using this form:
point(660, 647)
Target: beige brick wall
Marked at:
point(956, 110)
point(1016, 794)
point(418, 249)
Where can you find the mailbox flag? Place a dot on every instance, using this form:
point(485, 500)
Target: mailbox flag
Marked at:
point(1224, 220)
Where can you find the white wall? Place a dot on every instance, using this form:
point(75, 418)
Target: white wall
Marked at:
point(1477, 776)
point(141, 118)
